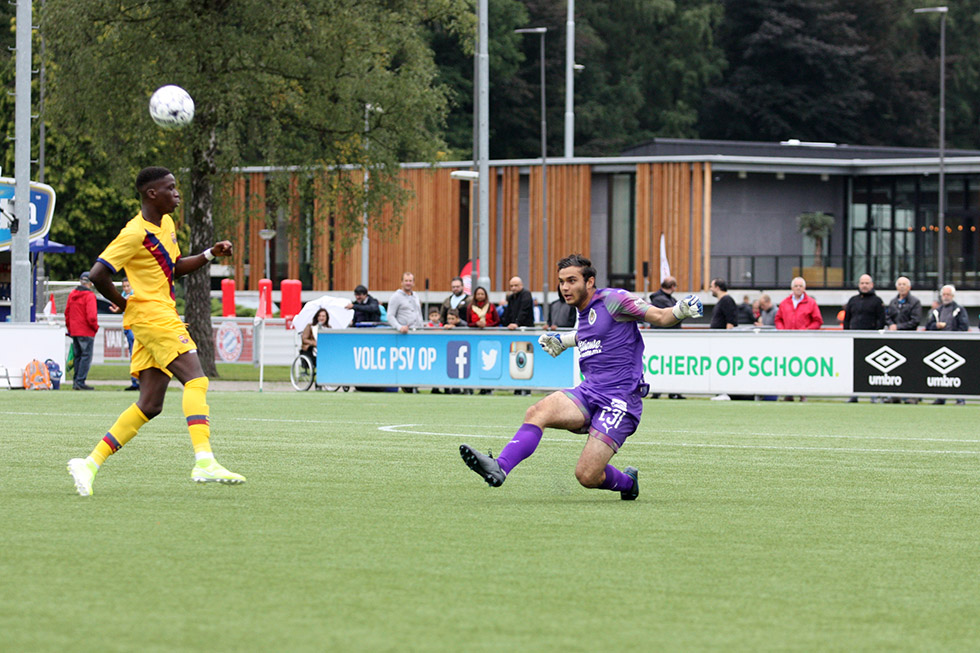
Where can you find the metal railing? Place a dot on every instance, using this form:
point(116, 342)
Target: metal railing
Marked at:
point(840, 272)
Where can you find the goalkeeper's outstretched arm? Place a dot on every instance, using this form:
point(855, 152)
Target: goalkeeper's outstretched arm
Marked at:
point(690, 306)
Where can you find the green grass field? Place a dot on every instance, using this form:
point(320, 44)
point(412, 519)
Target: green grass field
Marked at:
point(760, 526)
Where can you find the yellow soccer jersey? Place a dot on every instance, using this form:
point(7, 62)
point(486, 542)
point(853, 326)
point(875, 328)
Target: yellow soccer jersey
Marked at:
point(149, 254)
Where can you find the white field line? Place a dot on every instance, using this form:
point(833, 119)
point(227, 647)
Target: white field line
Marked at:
point(502, 430)
point(402, 428)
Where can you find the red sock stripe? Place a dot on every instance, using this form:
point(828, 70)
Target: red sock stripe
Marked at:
point(193, 420)
point(112, 442)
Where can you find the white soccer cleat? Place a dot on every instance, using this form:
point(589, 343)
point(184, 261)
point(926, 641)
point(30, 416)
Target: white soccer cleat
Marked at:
point(210, 471)
point(83, 472)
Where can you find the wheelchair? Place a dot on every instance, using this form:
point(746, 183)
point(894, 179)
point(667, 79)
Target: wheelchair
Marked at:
point(302, 374)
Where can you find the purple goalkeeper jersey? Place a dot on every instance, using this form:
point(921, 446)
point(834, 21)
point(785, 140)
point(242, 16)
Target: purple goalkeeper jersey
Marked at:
point(609, 342)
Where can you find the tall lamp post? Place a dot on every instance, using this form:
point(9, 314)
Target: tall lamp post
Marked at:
point(267, 235)
point(541, 31)
point(941, 249)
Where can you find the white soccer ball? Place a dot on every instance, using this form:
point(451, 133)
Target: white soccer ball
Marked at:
point(171, 107)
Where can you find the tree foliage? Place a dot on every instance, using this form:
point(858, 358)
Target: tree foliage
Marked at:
point(281, 84)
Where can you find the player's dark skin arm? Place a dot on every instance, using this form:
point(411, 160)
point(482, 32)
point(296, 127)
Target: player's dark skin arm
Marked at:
point(187, 264)
point(101, 277)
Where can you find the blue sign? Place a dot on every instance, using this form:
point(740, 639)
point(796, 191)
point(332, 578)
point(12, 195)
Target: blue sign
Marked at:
point(42, 211)
point(476, 359)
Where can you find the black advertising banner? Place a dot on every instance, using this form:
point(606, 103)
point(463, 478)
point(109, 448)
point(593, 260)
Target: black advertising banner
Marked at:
point(918, 366)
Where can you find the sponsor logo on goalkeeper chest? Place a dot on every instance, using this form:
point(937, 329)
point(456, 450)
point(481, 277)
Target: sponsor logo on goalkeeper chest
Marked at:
point(589, 348)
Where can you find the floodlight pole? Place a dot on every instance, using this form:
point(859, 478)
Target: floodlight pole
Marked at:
point(20, 268)
point(941, 248)
point(570, 81)
point(546, 264)
point(267, 235)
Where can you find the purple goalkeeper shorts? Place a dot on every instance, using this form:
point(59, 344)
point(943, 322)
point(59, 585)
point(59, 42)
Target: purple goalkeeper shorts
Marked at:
point(611, 414)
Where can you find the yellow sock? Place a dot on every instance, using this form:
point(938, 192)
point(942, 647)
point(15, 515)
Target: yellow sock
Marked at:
point(196, 411)
point(122, 431)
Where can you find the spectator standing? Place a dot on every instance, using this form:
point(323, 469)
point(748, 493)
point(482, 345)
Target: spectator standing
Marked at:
point(127, 292)
point(365, 307)
point(404, 308)
point(746, 314)
point(452, 319)
point(864, 311)
point(434, 320)
point(664, 298)
point(82, 322)
point(948, 316)
point(561, 314)
point(905, 311)
point(482, 312)
point(903, 314)
point(456, 300)
point(725, 313)
point(799, 310)
point(767, 312)
point(519, 311)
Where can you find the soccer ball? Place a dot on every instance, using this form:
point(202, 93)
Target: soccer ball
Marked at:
point(171, 107)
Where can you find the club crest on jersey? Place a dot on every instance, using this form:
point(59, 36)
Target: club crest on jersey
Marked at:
point(173, 237)
point(183, 339)
point(591, 316)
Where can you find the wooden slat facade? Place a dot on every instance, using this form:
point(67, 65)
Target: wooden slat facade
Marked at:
point(673, 199)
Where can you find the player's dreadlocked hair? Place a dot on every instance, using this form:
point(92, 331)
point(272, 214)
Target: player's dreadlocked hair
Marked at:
point(149, 175)
point(578, 261)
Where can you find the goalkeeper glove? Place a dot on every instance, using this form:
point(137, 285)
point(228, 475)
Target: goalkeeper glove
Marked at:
point(690, 306)
point(556, 343)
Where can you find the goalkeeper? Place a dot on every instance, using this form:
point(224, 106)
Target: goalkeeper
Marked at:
point(607, 405)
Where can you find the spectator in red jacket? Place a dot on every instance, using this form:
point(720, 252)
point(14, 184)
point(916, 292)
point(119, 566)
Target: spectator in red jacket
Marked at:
point(799, 310)
point(82, 322)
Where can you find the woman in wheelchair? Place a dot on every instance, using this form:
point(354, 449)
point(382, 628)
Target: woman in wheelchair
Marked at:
point(320, 321)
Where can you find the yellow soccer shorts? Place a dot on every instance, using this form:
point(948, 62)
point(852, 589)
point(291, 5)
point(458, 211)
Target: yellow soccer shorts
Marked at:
point(158, 343)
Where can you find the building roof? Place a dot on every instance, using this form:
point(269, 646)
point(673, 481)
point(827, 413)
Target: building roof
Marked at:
point(786, 149)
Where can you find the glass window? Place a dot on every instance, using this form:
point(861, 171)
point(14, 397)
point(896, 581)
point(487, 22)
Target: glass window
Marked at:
point(621, 250)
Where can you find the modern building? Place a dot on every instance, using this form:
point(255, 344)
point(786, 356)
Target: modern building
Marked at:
point(725, 209)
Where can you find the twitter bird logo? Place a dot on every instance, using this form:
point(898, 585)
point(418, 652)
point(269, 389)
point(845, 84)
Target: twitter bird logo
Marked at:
point(490, 367)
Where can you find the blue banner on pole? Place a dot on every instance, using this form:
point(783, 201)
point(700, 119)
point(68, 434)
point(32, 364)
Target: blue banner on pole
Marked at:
point(480, 359)
point(42, 211)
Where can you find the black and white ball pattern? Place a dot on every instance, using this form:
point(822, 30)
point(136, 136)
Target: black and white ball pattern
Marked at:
point(171, 107)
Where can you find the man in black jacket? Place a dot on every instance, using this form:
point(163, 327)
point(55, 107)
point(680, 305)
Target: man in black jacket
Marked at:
point(864, 311)
point(664, 298)
point(365, 307)
point(905, 311)
point(519, 311)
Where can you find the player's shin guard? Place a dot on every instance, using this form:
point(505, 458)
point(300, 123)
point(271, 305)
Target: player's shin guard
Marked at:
point(616, 480)
point(125, 428)
point(522, 445)
point(196, 411)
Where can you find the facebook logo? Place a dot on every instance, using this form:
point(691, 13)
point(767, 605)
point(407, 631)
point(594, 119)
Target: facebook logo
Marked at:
point(489, 360)
point(458, 359)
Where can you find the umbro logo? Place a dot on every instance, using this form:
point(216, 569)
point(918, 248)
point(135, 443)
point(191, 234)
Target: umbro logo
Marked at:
point(885, 359)
point(944, 360)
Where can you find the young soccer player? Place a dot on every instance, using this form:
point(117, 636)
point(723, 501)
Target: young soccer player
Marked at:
point(608, 404)
point(147, 248)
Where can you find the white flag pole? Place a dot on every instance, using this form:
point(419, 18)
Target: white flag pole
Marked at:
point(664, 264)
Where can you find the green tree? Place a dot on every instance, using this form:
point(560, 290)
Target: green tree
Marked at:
point(282, 83)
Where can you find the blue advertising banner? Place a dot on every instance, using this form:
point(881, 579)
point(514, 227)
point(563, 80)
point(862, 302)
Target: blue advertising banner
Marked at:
point(478, 359)
point(42, 210)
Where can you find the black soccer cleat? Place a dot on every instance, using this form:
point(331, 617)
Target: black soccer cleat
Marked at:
point(483, 465)
point(633, 492)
